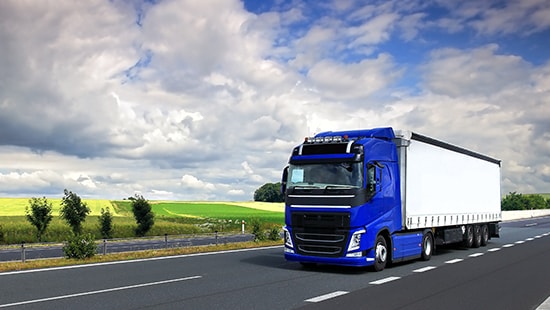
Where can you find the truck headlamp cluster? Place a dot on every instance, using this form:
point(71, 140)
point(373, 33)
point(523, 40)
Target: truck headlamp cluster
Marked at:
point(355, 241)
point(288, 238)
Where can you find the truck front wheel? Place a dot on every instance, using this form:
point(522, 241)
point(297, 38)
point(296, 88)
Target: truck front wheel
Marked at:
point(381, 253)
point(427, 246)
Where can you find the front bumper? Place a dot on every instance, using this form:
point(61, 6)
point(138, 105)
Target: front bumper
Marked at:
point(361, 261)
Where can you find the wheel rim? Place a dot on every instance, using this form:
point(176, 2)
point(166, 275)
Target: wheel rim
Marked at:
point(427, 246)
point(381, 252)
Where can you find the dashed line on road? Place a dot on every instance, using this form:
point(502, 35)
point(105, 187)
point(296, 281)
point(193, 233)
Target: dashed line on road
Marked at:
point(326, 296)
point(424, 269)
point(493, 249)
point(385, 280)
point(453, 261)
point(509, 245)
point(476, 254)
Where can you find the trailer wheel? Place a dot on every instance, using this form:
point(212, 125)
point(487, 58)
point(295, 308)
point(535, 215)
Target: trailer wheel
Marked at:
point(468, 238)
point(381, 253)
point(484, 235)
point(427, 246)
point(477, 237)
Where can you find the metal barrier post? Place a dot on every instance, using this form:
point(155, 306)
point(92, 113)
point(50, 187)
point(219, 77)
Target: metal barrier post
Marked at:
point(166, 240)
point(23, 251)
point(104, 247)
point(242, 227)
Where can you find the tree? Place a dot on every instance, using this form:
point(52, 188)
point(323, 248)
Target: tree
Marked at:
point(73, 211)
point(106, 223)
point(143, 215)
point(515, 201)
point(39, 214)
point(269, 192)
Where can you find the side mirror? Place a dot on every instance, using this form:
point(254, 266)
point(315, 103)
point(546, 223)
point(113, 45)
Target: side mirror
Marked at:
point(283, 180)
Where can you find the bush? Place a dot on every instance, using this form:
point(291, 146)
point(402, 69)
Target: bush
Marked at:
point(274, 234)
point(257, 229)
point(106, 223)
point(80, 247)
point(1, 234)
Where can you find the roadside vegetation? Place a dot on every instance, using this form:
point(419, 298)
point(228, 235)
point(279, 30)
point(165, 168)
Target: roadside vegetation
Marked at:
point(515, 201)
point(170, 217)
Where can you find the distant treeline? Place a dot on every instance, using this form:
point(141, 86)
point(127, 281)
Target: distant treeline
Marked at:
point(515, 201)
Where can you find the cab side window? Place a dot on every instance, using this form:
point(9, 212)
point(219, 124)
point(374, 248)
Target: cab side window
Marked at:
point(374, 178)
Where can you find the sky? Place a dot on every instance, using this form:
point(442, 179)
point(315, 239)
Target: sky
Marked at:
point(204, 100)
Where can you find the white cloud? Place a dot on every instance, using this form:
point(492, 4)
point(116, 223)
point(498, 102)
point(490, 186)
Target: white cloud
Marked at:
point(204, 100)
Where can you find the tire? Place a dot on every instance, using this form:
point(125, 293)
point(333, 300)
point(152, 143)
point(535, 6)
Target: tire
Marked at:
point(427, 246)
point(468, 238)
point(381, 253)
point(477, 237)
point(484, 235)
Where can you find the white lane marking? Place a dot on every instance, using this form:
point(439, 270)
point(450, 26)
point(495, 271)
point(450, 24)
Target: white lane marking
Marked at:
point(529, 239)
point(34, 301)
point(545, 305)
point(326, 296)
point(538, 237)
point(493, 250)
point(532, 224)
point(476, 254)
point(520, 242)
point(136, 260)
point(452, 261)
point(385, 280)
point(424, 269)
point(508, 245)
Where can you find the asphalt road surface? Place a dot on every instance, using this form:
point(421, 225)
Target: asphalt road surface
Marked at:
point(512, 272)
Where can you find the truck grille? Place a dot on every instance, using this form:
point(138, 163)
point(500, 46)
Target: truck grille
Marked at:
point(320, 234)
point(328, 243)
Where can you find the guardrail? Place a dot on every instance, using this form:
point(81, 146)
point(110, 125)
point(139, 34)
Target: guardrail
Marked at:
point(524, 214)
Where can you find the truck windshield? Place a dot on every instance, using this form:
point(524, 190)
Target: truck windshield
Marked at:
point(326, 175)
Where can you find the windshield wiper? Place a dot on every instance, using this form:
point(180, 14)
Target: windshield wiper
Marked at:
point(305, 186)
point(339, 187)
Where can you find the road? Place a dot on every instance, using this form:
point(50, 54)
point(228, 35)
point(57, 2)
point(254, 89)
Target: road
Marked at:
point(34, 251)
point(510, 273)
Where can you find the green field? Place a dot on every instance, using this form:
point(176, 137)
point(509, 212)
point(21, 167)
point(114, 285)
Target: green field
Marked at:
point(16, 206)
point(170, 218)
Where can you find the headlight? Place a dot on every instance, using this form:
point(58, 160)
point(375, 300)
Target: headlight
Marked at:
point(355, 242)
point(288, 238)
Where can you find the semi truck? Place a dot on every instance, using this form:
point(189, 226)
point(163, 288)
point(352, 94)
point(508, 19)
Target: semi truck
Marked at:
point(373, 197)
